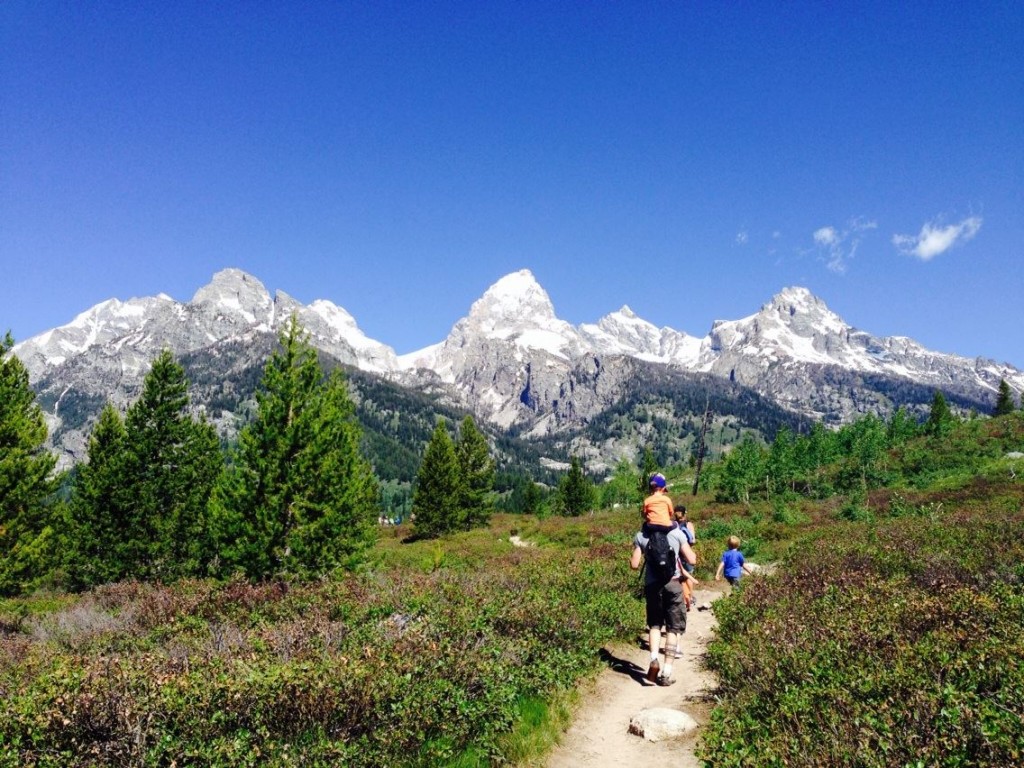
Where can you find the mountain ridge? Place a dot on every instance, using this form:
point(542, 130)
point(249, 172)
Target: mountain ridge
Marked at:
point(511, 360)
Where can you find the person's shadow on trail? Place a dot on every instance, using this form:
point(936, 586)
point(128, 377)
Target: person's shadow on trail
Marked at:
point(624, 666)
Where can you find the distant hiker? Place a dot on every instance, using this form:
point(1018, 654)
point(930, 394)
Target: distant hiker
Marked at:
point(687, 529)
point(658, 507)
point(663, 594)
point(732, 563)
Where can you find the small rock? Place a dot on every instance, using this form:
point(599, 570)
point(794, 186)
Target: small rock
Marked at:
point(659, 723)
point(704, 607)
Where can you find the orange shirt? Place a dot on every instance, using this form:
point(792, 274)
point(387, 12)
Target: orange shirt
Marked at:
point(658, 509)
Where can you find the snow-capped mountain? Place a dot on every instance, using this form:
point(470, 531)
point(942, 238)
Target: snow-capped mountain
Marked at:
point(104, 353)
point(510, 360)
point(513, 360)
point(233, 305)
point(623, 333)
point(786, 348)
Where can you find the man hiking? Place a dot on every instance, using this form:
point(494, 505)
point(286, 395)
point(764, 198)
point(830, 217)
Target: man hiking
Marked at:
point(660, 552)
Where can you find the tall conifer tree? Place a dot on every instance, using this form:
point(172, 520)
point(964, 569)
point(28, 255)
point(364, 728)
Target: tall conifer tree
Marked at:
point(26, 479)
point(99, 522)
point(336, 513)
point(477, 468)
point(940, 418)
point(299, 497)
point(1004, 400)
point(575, 491)
point(170, 464)
point(437, 500)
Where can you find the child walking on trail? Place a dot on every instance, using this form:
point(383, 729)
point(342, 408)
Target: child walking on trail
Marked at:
point(686, 528)
point(658, 507)
point(732, 564)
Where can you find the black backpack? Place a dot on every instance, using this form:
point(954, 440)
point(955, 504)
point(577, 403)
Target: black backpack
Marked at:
point(659, 557)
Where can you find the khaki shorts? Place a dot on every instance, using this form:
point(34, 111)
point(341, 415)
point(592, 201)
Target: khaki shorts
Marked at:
point(665, 606)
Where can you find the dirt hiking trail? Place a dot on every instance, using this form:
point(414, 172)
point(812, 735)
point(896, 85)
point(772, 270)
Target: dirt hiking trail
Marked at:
point(599, 736)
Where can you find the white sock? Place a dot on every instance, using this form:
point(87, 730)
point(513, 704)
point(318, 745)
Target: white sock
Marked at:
point(667, 671)
point(654, 656)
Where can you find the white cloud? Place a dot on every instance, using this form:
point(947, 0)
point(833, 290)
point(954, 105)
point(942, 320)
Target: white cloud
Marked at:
point(840, 246)
point(742, 238)
point(826, 236)
point(935, 238)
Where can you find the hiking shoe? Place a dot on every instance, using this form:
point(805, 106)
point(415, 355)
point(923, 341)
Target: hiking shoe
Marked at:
point(653, 670)
point(662, 680)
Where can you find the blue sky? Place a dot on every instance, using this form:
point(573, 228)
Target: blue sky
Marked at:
point(687, 159)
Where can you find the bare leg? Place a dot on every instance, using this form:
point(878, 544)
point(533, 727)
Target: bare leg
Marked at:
point(671, 640)
point(654, 642)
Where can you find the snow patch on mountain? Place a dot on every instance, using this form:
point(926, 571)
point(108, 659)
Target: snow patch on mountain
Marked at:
point(510, 360)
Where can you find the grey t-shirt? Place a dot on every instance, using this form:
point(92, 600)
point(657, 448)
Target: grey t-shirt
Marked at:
point(676, 538)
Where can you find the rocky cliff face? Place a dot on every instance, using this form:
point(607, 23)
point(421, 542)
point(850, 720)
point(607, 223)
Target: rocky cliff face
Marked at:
point(514, 362)
point(805, 357)
point(511, 360)
point(105, 352)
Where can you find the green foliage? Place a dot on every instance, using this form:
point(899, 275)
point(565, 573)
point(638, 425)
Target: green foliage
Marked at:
point(285, 673)
point(437, 500)
point(455, 483)
point(742, 472)
point(138, 507)
point(940, 418)
point(648, 466)
point(890, 643)
point(99, 519)
point(622, 487)
point(524, 495)
point(27, 537)
point(1004, 400)
point(170, 465)
point(477, 469)
point(575, 491)
point(902, 427)
point(298, 498)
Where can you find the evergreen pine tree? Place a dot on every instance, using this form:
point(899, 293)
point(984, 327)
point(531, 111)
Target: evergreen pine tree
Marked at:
point(575, 491)
point(298, 497)
point(437, 500)
point(26, 479)
point(335, 514)
point(170, 464)
point(1004, 400)
point(648, 466)
point(940, 418)
point(477, 469)
point(533, 497)
point(98, 522)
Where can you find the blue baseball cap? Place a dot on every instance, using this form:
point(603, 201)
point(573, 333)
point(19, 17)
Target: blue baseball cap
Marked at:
point(657, 480)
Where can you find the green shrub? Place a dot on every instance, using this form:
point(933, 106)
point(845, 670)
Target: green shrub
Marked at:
point(879, 645)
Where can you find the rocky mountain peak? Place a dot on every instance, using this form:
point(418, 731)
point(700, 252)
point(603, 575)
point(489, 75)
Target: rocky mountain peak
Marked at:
point(236, 295)
point(802, 312)
point(515, 298)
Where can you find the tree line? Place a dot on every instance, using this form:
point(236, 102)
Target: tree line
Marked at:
point(159, 497)
point(853, 459)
